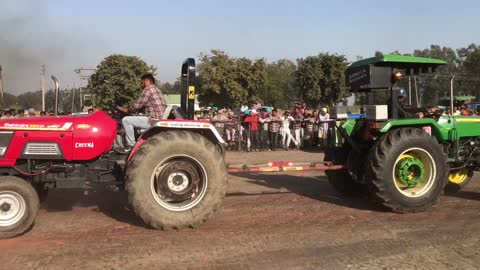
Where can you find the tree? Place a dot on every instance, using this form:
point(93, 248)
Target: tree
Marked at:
point(433, 88)
point(469, 58)
point(168, 88)
point(469, 63)
point(65, 101)
point(321, 79)
point(117, 80)
point(30, 100)
point(280, 87)
point(9, 99)
point(229, 82)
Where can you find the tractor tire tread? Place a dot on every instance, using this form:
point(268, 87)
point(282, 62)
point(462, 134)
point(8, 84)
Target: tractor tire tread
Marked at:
point(377, 160)
point(138, 201)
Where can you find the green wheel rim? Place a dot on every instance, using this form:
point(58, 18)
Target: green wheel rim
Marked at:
point(410, 171)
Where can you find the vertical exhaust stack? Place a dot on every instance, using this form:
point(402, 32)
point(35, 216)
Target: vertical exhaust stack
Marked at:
point(187, 100)
point(57, 88)
point(1, 89)
point(451, 94)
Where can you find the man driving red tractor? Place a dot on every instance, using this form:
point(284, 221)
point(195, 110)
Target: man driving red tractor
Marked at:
point(151, 101)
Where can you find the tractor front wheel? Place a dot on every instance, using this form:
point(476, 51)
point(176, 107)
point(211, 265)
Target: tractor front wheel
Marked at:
point(176, 180)
point(458, 179)
point(19, 205)
point(407, 170)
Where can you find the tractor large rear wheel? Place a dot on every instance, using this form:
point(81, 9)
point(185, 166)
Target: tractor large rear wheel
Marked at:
point(18, 206)
point(176, 180)
point(407, 170)
point(342, 180)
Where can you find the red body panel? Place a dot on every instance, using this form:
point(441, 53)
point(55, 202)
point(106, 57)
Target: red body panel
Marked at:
point(80, 138)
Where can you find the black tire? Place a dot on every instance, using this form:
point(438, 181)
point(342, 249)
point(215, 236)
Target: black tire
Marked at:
point(342, 180)
point(454, 185)
point(404, 145)
point(19, 196)
point(42, 192)
point(196, 158)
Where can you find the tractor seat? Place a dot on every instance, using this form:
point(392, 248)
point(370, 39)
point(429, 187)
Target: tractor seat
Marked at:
point(173, 112)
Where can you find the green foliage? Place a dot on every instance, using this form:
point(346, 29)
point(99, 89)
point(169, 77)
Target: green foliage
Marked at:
point(168, 88)
point(9, 99)
point(469, 63)
point(434, 88)
point(34, 100)
point(117, 80)
point(30, 100)
point(469, 59)
point(280, 87)
point(321, 79)
point(230, 82)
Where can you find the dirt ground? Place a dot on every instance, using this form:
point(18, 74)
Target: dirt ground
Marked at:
point(276, 221)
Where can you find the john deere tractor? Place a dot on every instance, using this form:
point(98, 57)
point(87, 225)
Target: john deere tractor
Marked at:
point(401, 155)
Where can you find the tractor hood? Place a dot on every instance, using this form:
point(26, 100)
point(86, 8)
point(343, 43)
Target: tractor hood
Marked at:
point(47, 123)
point(77, 138)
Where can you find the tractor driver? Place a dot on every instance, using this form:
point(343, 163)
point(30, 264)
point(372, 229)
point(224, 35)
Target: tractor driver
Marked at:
point(151, 101)
point(405, 110)
point(408, 111)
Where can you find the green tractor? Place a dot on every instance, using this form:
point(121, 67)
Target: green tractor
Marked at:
point(401, 155)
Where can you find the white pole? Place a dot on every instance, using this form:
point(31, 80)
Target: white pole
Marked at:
point(451, 95)
point(43, 87)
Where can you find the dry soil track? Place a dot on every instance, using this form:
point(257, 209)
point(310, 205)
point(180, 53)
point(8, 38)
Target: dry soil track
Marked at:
point(280, 221)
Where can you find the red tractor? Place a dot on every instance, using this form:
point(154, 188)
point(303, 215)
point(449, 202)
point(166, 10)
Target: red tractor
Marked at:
point(175, 175)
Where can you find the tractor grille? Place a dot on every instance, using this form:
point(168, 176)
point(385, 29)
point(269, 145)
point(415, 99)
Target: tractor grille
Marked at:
point(46, 149)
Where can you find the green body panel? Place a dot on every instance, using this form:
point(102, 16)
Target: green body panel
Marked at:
point(466, 126)
point(445, 129)
point(441, 129)
point(349, 125)
point(392, 59)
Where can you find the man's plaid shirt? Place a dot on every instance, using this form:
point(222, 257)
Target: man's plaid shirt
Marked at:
point(274, 124)
point(153, 102)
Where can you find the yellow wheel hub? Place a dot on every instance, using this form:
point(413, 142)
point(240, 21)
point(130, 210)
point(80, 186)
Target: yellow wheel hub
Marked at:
point(458, 176)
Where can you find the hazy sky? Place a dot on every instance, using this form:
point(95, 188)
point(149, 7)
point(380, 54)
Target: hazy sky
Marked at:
point(66, 35)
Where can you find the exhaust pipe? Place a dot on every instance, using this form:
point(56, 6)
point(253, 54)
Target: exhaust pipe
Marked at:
point(451, 95)
point(57, 87)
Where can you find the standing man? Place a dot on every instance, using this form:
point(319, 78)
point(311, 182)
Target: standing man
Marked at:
point(263, 130)
point(323, 118)
point(257, 105)
point(151, 101)
point(297, 127)
point(285, 131)
point(219, 122)
point(252, 120)
point(273, 128)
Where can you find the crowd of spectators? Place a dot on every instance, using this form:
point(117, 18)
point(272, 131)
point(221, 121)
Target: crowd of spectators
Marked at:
point(466, 110)
point(260, 128)
point(20, 113)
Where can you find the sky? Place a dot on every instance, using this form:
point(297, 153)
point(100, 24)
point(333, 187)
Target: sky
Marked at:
point(66, 35)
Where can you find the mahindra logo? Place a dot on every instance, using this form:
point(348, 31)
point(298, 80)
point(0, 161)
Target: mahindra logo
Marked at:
point(84, 145)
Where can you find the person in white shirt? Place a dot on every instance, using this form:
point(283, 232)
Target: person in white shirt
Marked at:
point(323, 118)
point(285, 131)
point(456, 111)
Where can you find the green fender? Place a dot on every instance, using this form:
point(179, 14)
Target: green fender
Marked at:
point(441, 129)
